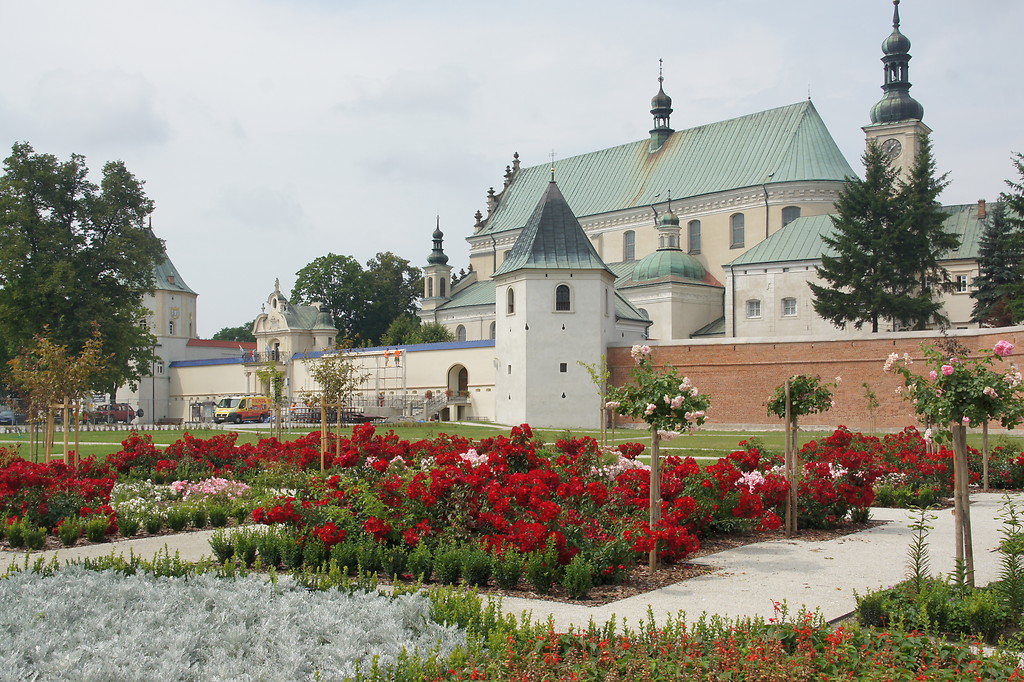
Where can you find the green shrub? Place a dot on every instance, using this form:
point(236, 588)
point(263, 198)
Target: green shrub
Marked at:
point(69, 531)
point(421, 562)
point(269, 547)
point(223, 545)
point(218, 516)
point(578, 578)
point(16, 534)
point(291, 549)
point(394, 561)
point(153, 522)
point(35, 536)
point(314, 553)
point(96, 529)
point(448, 565)
point(542, 569)
point(370, 555)
point(476, 566)
point(508, 569)
point(199, 517)
point(241, 513)
point(983, 614)
point(346, 555)
point(246, 545)
point(128, 526)
point(177, 518)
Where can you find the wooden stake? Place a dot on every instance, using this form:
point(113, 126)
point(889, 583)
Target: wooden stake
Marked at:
point(655, 492)
point(984, 456)
point(323, 431)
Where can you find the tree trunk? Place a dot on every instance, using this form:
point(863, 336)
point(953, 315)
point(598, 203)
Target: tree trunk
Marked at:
point(792, 469)
point(323, 432)
point(984, 456)
point(655, 510)
point(962, 504)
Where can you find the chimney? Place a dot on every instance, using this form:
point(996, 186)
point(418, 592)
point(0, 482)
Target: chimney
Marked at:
point(981, 209)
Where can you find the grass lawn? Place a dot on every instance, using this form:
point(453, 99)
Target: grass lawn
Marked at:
point(706, 444)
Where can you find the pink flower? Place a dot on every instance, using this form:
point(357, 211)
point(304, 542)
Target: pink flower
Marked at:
point(677, 402)
point(639, 352)
point(933, 375)
point(1003, 348)
point(947, 369)
point(668, 435)
point(990, 392)
point(612, 404)
point(966, 421)
point(927, 435)
point(651, 407)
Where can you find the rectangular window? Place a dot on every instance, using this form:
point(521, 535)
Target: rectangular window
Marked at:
point(563, 367)
point(736, 231)
point(961, 284)
point(693, 237)
point(788, 307)
point(754, 308)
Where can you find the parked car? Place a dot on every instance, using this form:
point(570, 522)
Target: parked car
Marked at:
point(12, 417)
point(238, 409)
point(110, 414)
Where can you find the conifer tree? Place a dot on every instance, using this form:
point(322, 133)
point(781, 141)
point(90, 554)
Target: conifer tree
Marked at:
point(886, 243)
point(861, 283)
point(1014, 200)
point(1000, 258)
point(922, 239)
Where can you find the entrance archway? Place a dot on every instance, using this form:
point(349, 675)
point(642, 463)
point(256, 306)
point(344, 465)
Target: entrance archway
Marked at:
point(458, 392)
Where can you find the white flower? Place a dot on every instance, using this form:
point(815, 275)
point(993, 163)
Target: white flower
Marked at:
point(668, 435)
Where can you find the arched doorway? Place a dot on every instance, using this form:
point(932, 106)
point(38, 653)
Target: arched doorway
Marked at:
point(458, 392)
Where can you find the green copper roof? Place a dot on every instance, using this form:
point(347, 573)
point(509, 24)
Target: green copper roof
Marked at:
point(624, 310)
point(716, 328)
point(552, 239)
point(671, 263)
point(801, 239)
point(167, 277)
point(790, 142)
point(477, 293)
point(307, 317)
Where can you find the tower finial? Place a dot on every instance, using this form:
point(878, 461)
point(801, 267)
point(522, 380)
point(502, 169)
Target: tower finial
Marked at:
point(896, 14)
point(661, 71)
point(552, 155)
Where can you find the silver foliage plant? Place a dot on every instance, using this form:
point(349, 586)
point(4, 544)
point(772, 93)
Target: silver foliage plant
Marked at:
point(92, 626)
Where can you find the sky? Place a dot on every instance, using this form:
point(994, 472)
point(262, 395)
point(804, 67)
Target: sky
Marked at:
point(271, 132)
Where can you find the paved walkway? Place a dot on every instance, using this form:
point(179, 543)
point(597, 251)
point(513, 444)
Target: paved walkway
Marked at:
point(819, 575)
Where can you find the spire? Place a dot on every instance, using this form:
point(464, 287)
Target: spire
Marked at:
point(668, 229)
point(897, 104)
point(438, 256)
point(661, 109)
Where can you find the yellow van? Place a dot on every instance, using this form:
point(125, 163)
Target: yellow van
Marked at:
point(238, 409)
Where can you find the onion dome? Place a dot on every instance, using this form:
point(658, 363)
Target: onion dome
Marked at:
point(897, 104)
point(438, 256)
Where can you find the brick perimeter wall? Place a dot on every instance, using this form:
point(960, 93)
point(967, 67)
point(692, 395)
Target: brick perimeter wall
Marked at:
point(740, 376)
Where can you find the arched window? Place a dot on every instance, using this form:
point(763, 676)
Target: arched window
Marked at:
point(440, 285)
point(737, 235)
point(430, 287)
point(789, 214)
point(510, 301)
point(693, 236)
point(460, 333)
point(629, 245)
point(563, 299)
point(788, 307)
point(754, 308)
point(494, 327)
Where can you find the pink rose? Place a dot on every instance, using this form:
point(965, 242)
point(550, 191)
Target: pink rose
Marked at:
point(947, 369)
point(933, 375)
point(1003, 348)
point(966, 421)
point(651, 407)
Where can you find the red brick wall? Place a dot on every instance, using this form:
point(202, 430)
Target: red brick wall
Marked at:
point(740, 376)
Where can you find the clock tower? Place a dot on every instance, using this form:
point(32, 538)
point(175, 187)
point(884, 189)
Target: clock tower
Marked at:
point(896, 122)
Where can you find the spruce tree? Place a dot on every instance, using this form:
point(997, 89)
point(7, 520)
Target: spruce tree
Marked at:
point(862, 284)
point(922, 240)
point(999, 267)
point(1014, 200)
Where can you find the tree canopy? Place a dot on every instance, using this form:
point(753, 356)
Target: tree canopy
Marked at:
point(363, 301)
point(888, 238)
point(76, 256)
point(407, 328)
point(242, 332)
point(1014, 203)
point(1000, 256)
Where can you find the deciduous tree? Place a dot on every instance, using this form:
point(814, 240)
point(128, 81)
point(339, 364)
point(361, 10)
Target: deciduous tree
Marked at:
point(74, 255)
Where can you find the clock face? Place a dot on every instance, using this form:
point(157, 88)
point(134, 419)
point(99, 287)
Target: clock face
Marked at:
point(892, 148)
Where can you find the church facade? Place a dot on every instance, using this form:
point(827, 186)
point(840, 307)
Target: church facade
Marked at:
point(707, 235)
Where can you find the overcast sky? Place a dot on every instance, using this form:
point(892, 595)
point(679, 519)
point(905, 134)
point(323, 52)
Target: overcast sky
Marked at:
point(270, 132)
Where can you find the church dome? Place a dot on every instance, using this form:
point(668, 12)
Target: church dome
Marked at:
point(669, 219)
point(897, 105)
point(668, 263)
point(896, 43)
point(661, 101)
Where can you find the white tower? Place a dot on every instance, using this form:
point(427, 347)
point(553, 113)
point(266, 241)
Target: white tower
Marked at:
point(555, 307)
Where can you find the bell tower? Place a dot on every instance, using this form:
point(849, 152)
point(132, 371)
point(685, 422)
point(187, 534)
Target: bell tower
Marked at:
point(896, 119)
point(437, 276)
